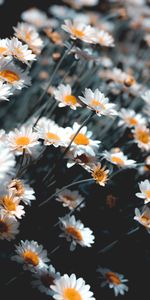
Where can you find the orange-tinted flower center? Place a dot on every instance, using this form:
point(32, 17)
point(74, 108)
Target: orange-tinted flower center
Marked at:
point(8, 203)
point(31, 257)
point(148, 193)
point(99, 174)
point(145, 219)
point(78, 33)
point(74, 232)
point(9, 76)
point(70, 99)
point(95, 102)
point(18, 186)
point(71, 294)
point(113, 278)
point(117, 160)
point(22, 141)
point(132, 121)
point(143, 136)
point(81, 139)
point(52, 136)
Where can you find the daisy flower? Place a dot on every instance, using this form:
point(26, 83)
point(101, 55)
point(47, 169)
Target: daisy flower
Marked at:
point(7, 160)
point(8, 227)
point(52, 134)
point(23, 139)
point(63, 94)
point(104, 39)
point(5, 91)
point(143, 217)
point(28, 34)
point(35, 17)
point(4, 51)
point(69, 288)
point(22, 190)
point(75, 232)
point(118, 158)
point(44, 278)
point(129, 118)
point(99, 173)
point(98, 102)
point(114, 281)
point(20, 51)
point(80, 31)
point(82, 143)
point(70, 199)
point(144, 187)
point(146, 97)
point(13, 75)
point(141, 135)
point(10, 205)
point(84, 160)
point(31, 255)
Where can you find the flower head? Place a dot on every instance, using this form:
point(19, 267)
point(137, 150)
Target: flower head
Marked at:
point(63, 94)
point(22, 190)
point(10, 204)
point(144, 187)
point(143, 217)
point(99, 173)
point(129, 118)
point(141, 135)
point(105, 39)
point(118, 158)
point(8, 226)
point(70, 199)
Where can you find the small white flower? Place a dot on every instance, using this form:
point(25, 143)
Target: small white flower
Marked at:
point(144, 187)
point(5, 91)
point(118, 158)
point(82, 143)
point(143, 217)
point(44, 278)
point(70, 199)
point(141, 135)
point(129, 118)
point(113, 280)
point(104, 39)
point(69, 288)
point(85, 33)
point(63, 94)
point(85, 160)
point(23, 139)
point(8, 226)
point(98, 102)
point(75, 232)
point(31, 255)
point(36, 17)
point(11, 205)
point(20, 51)
point(22, 190)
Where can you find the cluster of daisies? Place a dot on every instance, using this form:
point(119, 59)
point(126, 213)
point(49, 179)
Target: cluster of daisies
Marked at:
point(88, 106)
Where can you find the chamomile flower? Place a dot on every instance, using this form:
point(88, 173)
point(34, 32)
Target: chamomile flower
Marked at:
point(84, 160)
point(5, 91)
point(118, 158)
point(31, 255)
point(8, 226)
point(105, 39)
point(143, 217)
point(82, 143)
point(70, 199)
point(99, 173)
point(146, 97)
point(63, 94)
point(23, 139)
point(13, 76)
point(52, 134)
point(7, 160)
point(22, 190)
point(44, 278)
point(113, 280)
point(4, 51)
point(69, 288)
point(35, 17)
point(28, 34)
point(98, 102)
point(75, 232)
point(144, 187)
point(129, 118)
point(11, 205)
point(20, 51)
point(80, 31)
point(141, 135)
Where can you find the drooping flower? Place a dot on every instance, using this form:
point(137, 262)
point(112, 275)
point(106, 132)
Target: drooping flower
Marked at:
point(118, 158)
point(143, 217)
point(129, 118)
point(10, 204)
point(70, 199)
point(63, 94)
point(22, 190)
point(144, 187)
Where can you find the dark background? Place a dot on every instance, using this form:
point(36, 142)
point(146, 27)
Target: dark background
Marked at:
point(131, 256)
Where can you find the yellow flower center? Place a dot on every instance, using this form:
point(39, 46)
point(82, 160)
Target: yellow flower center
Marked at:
point(81, 139)
point(71, 294)
point(95, 102)
point(143, 136)
point(113, 278)
point(9, 76)
point(117, 160)
point(78, 33)
point(31, 257)
point(3, 227)
point(18, 185)
point(148, 193)
point(8, 203)
point(52, 136)
point(99, 174)
point(74, 232)
point(132, 121)
point(145, 220)
point(2, 50)
point(70, 99)
point(22, 141)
